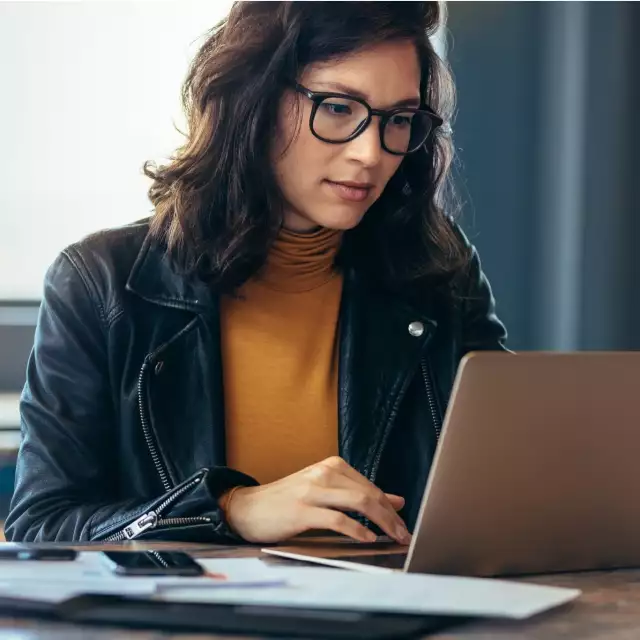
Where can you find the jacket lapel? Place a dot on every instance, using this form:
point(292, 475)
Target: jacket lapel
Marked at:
point(378, 359)
point(192, 351)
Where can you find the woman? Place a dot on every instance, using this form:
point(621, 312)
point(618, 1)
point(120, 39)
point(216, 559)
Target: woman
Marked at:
point(272, 351)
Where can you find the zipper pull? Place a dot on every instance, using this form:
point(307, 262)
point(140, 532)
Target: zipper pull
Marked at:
point(144, 522)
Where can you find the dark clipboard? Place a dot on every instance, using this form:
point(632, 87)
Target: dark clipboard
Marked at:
point(261, 621)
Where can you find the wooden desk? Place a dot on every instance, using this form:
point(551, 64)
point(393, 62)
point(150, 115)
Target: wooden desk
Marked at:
point(609, 609)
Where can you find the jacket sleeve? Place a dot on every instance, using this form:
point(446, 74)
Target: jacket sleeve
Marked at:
point(66, 476)
point(481, 328)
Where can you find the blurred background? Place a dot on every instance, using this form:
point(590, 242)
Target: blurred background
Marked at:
point(547, 135)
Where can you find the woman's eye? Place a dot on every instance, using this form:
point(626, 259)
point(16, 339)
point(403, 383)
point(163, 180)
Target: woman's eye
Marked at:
point(337, 109)
point(401, 120)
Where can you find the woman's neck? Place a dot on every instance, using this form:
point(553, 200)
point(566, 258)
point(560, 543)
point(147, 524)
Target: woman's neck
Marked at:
point(301, 261)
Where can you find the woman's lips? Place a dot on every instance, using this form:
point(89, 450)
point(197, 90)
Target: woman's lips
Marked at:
point(349, 191)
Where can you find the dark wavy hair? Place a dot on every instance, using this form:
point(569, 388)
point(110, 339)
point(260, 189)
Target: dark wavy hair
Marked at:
point(217, 204)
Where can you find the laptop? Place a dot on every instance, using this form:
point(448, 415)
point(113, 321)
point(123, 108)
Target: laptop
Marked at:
point(537, 471)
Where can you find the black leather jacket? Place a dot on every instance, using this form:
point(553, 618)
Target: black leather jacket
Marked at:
point(122, 412)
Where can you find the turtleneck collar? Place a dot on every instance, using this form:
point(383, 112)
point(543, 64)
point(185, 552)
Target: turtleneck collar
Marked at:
point(301, 262)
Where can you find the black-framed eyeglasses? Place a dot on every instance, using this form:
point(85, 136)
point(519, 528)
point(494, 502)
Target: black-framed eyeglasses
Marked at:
point(338, 118)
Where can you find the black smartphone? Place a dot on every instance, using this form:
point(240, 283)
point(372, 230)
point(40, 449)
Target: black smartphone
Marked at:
point(152, 563)
point(16, 551)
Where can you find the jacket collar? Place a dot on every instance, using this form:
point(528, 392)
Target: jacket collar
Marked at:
point(154, 278)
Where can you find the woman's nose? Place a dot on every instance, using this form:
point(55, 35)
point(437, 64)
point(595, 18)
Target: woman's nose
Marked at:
point(366, 148)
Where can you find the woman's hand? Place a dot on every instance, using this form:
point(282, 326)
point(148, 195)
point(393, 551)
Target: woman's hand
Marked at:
point(315, 498)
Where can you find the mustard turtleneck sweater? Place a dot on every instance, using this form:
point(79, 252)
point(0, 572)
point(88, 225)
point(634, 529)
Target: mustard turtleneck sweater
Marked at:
point(280, 360)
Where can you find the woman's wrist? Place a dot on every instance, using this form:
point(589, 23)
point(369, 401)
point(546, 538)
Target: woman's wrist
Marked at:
point(224, 502)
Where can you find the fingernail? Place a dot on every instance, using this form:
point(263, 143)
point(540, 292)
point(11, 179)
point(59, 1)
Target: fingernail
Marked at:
point(370, 536)
point(402, 534)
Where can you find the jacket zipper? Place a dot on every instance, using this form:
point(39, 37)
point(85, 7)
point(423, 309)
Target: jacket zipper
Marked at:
point(428, 385)
point(146, 430)
point(376, 460)
point(152, 519)
point(385, 436)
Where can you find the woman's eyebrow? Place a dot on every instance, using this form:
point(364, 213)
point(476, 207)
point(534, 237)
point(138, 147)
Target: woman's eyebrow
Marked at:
point(412, 101)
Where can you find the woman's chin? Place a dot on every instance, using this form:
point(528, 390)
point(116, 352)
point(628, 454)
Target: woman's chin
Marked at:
point(342, 218)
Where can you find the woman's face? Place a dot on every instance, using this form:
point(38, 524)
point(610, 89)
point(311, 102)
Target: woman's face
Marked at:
point(333, 185)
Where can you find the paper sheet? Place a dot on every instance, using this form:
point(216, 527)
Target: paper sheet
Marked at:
point(393, 592)
point(55, 581)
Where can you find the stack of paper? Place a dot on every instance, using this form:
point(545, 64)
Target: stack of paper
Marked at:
point(251, 581)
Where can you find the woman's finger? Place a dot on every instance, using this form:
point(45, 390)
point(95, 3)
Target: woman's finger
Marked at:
point(337, 480)
point(335, 473)
point(330, 520)
point(339, 465)
point(397, 502)
point(366, 503)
